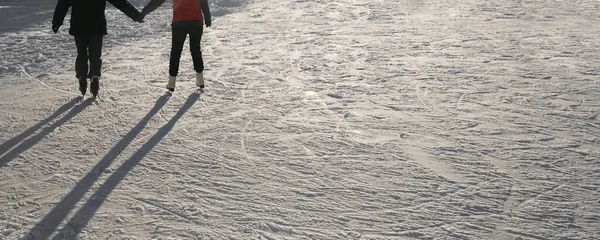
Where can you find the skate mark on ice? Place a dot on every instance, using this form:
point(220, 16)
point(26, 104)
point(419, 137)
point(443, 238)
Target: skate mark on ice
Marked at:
point(156, 204)
point(522, 234)
point(427, 160)
point(81, 218)
point(37, 79)
point(48, 225)
point(543, 193)
point(4, 147)
point(243, 135)
point(422, 93)
point(333, 95)
point(30, 142)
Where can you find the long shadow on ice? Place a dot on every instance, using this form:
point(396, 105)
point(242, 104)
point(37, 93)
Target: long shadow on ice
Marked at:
point(29, 138)
point(48, 225)
point(81, 218)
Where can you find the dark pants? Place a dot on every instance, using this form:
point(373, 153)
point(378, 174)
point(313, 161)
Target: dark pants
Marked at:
point(179, 33)
point(89, 48)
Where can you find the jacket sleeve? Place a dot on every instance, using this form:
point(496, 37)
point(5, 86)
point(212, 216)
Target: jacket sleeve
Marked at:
point(62, 7)
point(152, 5)
point(126, 8)
point(205, 9)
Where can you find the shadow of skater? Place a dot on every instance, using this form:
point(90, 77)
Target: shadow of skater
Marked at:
point(28, 139)
point(48, 225)
point(4, 147)
point(81, 218)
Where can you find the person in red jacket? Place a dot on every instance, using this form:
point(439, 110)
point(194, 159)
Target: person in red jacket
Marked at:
point(188, 17)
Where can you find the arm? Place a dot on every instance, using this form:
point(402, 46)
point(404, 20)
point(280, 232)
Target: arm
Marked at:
point(152, 5)
point(62, 7)
point(206, 12)
point(126, 8)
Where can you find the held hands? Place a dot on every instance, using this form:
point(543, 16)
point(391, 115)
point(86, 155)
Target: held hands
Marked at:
point(142, 15)
point(140, 18)
point(55, 28)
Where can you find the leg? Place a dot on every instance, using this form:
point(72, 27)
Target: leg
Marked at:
point(177, 40)
point(195, 37)
point(81, 62)
point(95, 54)
point(95, 63)
point(195, 49)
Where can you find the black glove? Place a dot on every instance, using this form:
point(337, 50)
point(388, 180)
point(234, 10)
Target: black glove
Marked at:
point(144, 11)
point(139, 18)
point(55, 28)
point(208, 22)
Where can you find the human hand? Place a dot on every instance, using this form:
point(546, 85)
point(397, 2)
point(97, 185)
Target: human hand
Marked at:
point(208, 22)
point(55, 28)
point(139, 18)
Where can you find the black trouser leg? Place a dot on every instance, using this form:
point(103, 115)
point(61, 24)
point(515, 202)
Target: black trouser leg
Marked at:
point(195, 49)
point(177, 40)
point(81, 62)
point(95, 54)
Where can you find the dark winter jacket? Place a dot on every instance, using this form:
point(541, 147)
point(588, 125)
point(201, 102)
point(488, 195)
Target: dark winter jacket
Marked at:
point(184, 11)
point(87, 16)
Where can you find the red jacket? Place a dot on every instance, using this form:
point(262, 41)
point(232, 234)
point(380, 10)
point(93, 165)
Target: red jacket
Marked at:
point(187, 10)
point(183, 10)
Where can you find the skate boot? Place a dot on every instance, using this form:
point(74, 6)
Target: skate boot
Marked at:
point(200, 80)
point(83, 85)
point(95, 85)
point(171, 84)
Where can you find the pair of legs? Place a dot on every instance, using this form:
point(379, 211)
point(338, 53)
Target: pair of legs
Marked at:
point(89, 49)
point(179, 33)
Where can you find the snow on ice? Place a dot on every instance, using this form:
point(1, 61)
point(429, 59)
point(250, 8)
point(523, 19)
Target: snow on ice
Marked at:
point(336, 119)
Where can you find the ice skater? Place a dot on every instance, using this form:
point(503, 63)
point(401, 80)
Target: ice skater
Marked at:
point(188, 17)
point(88, 26)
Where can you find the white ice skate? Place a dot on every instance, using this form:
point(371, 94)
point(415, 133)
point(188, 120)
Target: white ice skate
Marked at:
point(200, 80)
point(171, 84)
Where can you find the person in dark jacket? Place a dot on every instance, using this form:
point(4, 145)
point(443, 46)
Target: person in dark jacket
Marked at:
point(88, 26)
point(188, 17)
